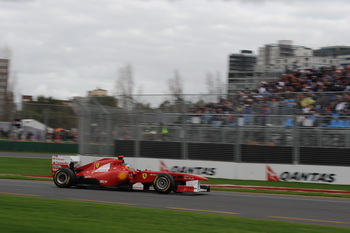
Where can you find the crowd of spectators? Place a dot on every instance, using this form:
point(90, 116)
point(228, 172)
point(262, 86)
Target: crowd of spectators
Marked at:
point(319, 95)
point(27, 134)
point(62, 135)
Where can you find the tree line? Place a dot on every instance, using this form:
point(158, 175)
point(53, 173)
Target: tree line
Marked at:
point(57, 114)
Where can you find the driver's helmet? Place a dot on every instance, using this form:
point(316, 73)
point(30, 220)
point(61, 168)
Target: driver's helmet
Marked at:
point(129, 166)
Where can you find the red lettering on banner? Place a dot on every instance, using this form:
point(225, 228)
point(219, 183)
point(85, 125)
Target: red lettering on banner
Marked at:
point(163, 167)
point(271, 175)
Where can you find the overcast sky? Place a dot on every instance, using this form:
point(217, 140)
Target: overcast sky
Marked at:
point(63, 48)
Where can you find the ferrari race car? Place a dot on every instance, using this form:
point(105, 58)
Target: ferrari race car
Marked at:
point(68, 171)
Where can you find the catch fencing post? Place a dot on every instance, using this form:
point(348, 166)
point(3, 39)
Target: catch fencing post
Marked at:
point(296, 144)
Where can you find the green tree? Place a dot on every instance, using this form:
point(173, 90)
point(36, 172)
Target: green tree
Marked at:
point(125, 86)
point(50, 111)
point(109, 101)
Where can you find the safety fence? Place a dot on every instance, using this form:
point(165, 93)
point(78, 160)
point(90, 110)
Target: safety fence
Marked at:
point(39, 122)
point(39, 146)
point(299, 128)
point(285, 128)
point(257, 144)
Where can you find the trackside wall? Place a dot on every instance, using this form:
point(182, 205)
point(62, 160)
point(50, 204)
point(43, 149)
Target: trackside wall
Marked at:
point(40, 147)
point(242, 171)
point(249, 171)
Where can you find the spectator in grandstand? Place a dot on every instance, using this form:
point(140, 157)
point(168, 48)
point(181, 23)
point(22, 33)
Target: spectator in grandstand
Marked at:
point(290, 94)
point(149, 132)
point(163, 131)
point(263, 88)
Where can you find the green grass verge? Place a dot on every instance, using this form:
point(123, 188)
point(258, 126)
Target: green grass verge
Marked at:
point(31, 214)
point(17, 177)
point(27, 166)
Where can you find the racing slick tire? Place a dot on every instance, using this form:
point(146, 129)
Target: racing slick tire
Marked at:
point(64, 178)
point(164, 183)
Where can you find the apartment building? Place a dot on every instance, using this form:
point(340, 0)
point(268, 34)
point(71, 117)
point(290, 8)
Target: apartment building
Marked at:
point(341, 52)
point(98, 92)
point(241, 70)
point(246, 70)
point(4, 75)
point(284, 56)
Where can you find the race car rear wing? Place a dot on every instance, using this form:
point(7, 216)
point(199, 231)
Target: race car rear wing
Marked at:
point(70, 161)
point(64, 161)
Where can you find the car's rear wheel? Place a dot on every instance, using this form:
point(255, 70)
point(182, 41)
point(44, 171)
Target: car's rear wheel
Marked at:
point(164, 183)
point(64, 178)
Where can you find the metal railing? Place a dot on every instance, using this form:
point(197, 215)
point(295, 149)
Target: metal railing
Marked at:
point(247, 127)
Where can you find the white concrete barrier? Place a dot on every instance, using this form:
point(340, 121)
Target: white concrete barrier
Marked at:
point(242, 171)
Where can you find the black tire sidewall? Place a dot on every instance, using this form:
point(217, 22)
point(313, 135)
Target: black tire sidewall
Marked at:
point(170, 185)
point(70, 178)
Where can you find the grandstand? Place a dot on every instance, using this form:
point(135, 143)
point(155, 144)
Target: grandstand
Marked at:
point(300, 118)
point(287, 121)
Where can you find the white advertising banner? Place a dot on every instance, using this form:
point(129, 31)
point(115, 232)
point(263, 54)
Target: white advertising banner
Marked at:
point(242, 171)
point(249, 171)
point(309, 174)
point(197, 167)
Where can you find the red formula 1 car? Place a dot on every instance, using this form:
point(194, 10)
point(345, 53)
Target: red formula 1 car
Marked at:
point(114, 172)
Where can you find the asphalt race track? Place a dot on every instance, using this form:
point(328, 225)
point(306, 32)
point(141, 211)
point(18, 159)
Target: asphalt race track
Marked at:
point(301, 209)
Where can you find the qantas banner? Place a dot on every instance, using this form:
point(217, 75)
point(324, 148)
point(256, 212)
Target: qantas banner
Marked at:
point(242, 171)
point(314, 174)
point(250, 171)
point(203, 168)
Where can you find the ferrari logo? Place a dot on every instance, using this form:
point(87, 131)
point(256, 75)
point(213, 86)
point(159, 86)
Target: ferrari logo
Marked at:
point(97, 165)
point(144, 175)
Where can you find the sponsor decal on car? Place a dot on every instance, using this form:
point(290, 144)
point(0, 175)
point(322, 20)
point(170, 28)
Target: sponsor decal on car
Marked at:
point(294, 176)
point(60, 160)
point(103, 168)
point(122, 176)
point(144, 175)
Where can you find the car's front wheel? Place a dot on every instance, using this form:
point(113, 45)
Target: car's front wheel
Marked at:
point(164, 183)
point(64, 178)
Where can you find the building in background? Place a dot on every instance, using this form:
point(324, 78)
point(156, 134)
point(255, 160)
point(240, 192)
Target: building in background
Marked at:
point(332, 51)
point(344, 60)
point(284, 56)
point(281, 56)
point(97, 92)
point(241, 71)
point(27, 98)
point(4, 95)
point(268, 54)
point(4, 75)
point(247, 71)
point(340, 52)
